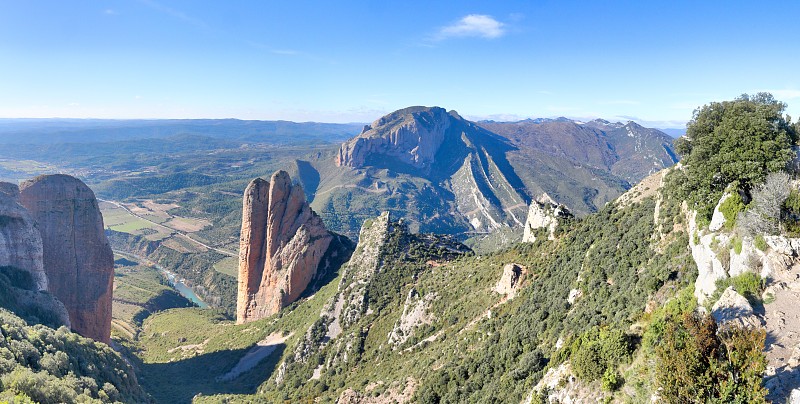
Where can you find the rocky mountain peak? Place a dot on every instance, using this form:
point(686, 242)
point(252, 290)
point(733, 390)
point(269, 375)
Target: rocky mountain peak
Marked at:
point(411, 136)
point(282, 245)
point(77, 257)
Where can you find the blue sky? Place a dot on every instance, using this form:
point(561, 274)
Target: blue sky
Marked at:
point(346, 61)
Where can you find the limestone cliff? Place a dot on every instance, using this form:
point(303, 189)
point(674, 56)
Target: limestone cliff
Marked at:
point(20, 241)
point(543, 213)
point(411, 135)
point(77, 257)
point(282, 244)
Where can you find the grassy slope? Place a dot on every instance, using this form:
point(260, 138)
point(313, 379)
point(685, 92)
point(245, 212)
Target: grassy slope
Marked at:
point(176, 375)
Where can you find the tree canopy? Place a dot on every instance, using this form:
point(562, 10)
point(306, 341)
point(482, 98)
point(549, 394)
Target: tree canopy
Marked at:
point(738, 142)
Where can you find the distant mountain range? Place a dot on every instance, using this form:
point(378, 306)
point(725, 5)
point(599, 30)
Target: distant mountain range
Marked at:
point(440, 172)
point(446, 174)
point(50, 131)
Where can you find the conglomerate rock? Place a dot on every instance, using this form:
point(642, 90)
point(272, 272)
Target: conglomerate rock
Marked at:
point(282, 244)
point(77, 257)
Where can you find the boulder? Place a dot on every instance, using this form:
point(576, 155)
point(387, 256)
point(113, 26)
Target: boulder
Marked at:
point(718, 219)
point(732, 309)
point(77, 257)
point(282, 245)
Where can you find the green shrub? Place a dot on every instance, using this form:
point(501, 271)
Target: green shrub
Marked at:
point(588, 363)
point(696, 364)
point(792, 202)
point(748, 284)
point(730, 209)
point(736, 244)
point(611, 380)
point(760, 243)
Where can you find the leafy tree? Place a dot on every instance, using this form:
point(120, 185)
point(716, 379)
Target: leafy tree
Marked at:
point(738, 141)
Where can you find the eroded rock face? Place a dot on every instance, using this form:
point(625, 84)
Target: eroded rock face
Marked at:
point(411, 135)
point(415, 314)
point(543, 213)
point(511, 280)
point(77, 257)
point(20, 241)
point(282, 244)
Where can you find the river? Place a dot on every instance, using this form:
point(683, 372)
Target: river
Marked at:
point(173, 279)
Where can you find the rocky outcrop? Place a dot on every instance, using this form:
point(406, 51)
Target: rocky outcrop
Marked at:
point(543, 213)
point(77, 257)
point(718, 219)
point(411, 135)
point(383, 244)
point(560, 385)
point(733, 310)
point(415, 314)
point(20, 241)
point(282, 244)
point(709, 267)
point(511, 280)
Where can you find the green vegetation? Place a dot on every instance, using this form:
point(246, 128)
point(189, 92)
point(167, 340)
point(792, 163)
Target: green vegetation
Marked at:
point(760, 243)
point(697, 364)
point(736, 244)
point(228, 266)
point(732, 142)
point(730, 209)
point(40, 364)
point(749, 284)
point(140, 291)
point(597, 353)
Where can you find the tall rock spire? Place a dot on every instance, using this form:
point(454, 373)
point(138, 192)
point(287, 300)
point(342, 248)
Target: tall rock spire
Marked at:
point(282, 244)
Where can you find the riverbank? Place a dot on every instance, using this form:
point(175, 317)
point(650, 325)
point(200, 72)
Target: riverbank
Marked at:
point(174, 281)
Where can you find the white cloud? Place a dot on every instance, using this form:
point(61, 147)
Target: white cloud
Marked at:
point(473, 25)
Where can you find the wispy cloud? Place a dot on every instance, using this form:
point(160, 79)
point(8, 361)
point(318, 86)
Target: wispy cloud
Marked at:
point(785, 94)
point(175, 13)
point(109, 11)
point(473, 25)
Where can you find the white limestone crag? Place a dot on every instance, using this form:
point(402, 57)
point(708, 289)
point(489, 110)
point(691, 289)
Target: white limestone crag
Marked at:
point(511, 280)
point(543, 213)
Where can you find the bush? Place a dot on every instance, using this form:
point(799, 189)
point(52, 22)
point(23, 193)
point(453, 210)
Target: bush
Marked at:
point(748, 284)
point(696, 364)
point(763, 215)
point(760, 243)
point(736, 244)
point(730, 209)
point(611, 380)
point(588, 363)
